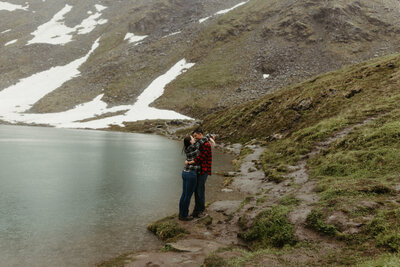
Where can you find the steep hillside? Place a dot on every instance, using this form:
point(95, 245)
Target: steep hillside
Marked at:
point(332, 150)
point(288, 41)
point(349, 94)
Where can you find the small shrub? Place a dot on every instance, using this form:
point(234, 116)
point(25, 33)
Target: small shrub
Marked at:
point(166, 230)
point(214, 260)
point(271, 228)
point(315, 220)
point(289, 200)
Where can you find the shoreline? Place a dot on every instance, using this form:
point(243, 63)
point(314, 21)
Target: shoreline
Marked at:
point(205, 235)
point(214, 189)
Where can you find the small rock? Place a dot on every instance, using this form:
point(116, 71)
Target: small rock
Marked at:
point(391, 65)
point(226, 190)
point(353, 93)
point(227, 207)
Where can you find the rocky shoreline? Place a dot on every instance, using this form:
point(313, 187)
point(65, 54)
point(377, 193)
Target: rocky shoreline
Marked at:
point(189, 243)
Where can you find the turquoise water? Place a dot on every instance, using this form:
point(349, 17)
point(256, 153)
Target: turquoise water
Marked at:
point(75, 197)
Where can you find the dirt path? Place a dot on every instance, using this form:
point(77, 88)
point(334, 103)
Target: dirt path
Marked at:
point(306, 193)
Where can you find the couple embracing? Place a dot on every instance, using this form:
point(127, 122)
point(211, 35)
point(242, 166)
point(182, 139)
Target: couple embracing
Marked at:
point(197, 168)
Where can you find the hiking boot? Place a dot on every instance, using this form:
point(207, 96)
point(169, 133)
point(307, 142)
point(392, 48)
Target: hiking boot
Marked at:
point(201, 214)
point(187, 218)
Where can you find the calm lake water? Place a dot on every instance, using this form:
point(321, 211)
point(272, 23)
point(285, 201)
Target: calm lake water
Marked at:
point(75, 198)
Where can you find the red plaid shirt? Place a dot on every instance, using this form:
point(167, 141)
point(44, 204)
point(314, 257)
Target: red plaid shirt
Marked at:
point(204, 159)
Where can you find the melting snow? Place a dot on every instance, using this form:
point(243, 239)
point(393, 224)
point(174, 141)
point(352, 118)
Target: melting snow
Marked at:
point(57, 33)
point(100, 7)
point(223, 11)
point(171, 34)
point(12, 7)
point(11, 42)
point(203, 19)
point(230, 9)
point(132, 38)
point(5, 31)
point(22, 96)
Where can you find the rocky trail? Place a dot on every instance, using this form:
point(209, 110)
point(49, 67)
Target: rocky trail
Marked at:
point(220, 228)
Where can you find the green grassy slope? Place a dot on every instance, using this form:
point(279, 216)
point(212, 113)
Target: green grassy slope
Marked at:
point(315, 108)
point(358, 175)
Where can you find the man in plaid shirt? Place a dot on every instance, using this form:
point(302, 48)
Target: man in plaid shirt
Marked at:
point(204, 160)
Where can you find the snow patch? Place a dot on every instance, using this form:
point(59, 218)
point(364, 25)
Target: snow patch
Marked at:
point(6, 31)
point(230, 9)
point(11, 42)
point(224, 11)
point(21, 96)
point(132, 38)
point(171, 34)
point(265, 76)
point(11, 7)
point(203, 19)
point(57, 33)
point(99, 7)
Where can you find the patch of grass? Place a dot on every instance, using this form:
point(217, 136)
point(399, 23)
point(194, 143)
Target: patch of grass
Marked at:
point(385, 260)
point(326, 110)
point(213, 260)
point(167, 229)
point(261, 200)
point(289, 200)
point(270, 228)
point(315, 221)
point(385, 228)
point(274, 176)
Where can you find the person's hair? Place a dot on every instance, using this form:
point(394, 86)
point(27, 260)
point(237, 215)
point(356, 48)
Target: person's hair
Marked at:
point(186, 142)
point(198, 130)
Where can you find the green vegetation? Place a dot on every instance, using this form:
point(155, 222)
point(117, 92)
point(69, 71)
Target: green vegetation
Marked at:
point(289, 200)
point(167, 229)
point(315, 220)
point(357, 173)
point(270, 228)
point(385, 260)
point(214, 260)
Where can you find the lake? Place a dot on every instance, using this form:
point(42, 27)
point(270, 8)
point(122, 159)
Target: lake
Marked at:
point(78, 197)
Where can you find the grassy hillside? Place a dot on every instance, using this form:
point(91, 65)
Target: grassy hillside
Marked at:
point(356, 175)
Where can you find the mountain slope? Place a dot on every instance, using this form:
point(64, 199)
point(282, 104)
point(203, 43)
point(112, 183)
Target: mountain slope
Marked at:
point(331, 155)
point(288, 40)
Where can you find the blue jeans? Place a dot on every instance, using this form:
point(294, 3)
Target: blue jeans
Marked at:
point(200, 194)
point(189, 185)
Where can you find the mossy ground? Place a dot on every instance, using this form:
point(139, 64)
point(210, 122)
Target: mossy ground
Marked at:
point(167, 229)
